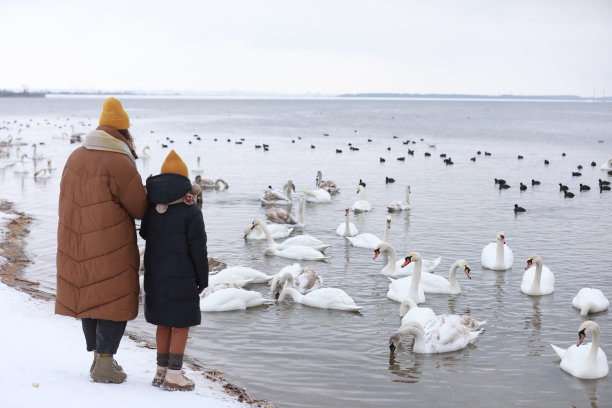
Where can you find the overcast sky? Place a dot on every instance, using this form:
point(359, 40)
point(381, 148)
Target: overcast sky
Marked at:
point(528, 47)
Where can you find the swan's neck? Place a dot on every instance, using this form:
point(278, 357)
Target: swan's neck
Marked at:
point(267, 233)
point(362, 194)
point(392, 258)
point(594, 345)
point(452, 276)
point(407, 304)
point(537, 278)
point(386, 236)
point(408, 195)
point(347, 230)
point(293, 293)
point(499, 254)
point(301, 212)
point(414, 283)
point(419, 335)
point(585, 308)
point(288, 192)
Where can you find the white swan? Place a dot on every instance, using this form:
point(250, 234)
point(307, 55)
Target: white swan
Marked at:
point(223, 285)
point(539, 280)
point(347, 229)
point(361, 205)
point(232, 299)
point(421, 315)
point(589, 300)
point(497, 255)
point(324, 298)
point(408, 287)
point(282, 216)
point(298, 240)
point(277, 232)
point(327, 185)
point(317, 196)
point(35, 155)
point(304, 280)
point(42, 174)
point(607, 165)
point(587, 362)
point(197, 169)
point(276, 197)
point(209, 184)
point(239, 273)
point(437, 284)
point(19, 167)
point(145, 152)
point(438, 336)
point(397, 268)
point(400, 205)
point(424, 315)
point(370, 241)
point(296, 252)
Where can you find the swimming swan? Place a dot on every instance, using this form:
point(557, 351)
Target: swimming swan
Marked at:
point(590, 300)
point(277, 231)
point(232, 299)
point(298, 240)
point(361, 205)
point(587, 362)
point(282, 216)
point(304, 280)
point(438, 336)
point(408, 287)
point(276, 197)
point(317, 196)
point(400, 205)
point(324, 298)
point(607, 165)
point(497, 255)
point(327, 185)
point(394, 267)
point(239, 273)
point(370, 241)
point(539, 280)
point(346, 229)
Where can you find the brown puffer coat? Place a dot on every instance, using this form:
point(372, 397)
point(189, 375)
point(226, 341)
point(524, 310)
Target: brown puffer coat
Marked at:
point(101, 193)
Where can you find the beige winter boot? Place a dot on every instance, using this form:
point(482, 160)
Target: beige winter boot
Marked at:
point(160, 375)
point(175, 380)
point(105, 371)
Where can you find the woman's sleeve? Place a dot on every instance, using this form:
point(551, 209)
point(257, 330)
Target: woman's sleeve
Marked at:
point(196, 240)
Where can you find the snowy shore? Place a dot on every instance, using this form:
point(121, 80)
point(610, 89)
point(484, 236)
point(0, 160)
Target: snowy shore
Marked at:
point(45, 363)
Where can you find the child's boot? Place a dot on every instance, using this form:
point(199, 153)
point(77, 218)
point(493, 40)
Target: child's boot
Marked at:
point(95, 360)
point(175, 380)
point(162, 368)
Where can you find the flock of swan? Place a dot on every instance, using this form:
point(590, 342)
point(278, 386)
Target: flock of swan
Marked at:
point(411, 278)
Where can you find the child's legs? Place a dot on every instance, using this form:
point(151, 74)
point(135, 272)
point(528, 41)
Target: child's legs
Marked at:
point(162, 337)
point(179, 340)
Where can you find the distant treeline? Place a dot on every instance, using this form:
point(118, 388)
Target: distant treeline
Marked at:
point(467, 96)
point(23, 94)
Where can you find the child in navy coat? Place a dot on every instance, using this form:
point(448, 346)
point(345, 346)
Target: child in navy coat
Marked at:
point(176, 267)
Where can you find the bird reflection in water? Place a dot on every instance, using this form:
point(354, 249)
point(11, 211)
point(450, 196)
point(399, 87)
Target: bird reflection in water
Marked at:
point(533, 324)
point(411, 373)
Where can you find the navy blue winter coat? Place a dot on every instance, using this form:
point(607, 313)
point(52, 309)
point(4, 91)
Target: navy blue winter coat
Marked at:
point(176, 259)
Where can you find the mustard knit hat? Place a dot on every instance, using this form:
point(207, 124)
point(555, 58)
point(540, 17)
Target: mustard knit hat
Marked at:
point(113, 115)
point(174, 164)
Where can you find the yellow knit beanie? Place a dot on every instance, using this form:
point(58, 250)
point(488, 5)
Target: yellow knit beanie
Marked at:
point(174, 164)
point(113, 115)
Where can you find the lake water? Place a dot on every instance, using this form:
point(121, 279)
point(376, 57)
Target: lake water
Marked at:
point(297, 356)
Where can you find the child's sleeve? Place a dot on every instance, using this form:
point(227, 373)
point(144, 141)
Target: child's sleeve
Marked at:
point(196, 240)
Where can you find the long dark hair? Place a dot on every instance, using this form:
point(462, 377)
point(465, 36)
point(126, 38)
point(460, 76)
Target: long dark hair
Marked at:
point(128, 136)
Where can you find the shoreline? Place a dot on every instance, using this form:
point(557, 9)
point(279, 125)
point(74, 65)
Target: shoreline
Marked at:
point(11, 271)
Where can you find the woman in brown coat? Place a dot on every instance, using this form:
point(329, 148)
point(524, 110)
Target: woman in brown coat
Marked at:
point(101, 193)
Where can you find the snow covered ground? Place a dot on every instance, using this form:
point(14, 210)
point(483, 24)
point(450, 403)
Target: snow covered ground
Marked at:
point(45, 364)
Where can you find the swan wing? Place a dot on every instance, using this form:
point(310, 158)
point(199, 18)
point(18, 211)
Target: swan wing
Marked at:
point(365, 240)
point(560, 352)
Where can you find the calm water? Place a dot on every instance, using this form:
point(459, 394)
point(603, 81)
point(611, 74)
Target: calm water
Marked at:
point(298, 356)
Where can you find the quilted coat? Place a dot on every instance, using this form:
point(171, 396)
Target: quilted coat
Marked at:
point(176, 259)
point(101, 193)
